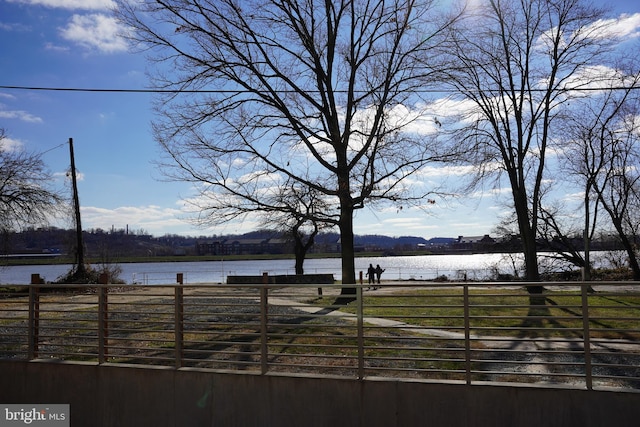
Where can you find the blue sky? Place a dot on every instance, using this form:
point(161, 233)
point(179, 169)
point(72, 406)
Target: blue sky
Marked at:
point(73, 44)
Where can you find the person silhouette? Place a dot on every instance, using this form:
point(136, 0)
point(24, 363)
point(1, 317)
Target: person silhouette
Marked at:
point(378, 272)
point(371, 274)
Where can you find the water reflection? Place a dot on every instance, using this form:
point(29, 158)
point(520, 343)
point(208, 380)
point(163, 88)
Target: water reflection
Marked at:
point(424, 267)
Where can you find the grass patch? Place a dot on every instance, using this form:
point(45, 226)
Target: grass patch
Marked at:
point(510, 312)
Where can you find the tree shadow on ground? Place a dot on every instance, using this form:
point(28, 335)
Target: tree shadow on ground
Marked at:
point(535, 343)
point(237, 346)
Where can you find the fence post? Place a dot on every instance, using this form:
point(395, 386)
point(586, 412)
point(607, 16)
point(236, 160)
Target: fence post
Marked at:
point(360, 332)
point(467, 334)
point(180, 278)
point(179, 323)
point(103, 323)
point(264, 307)
point(34, 319)
point(584, 289)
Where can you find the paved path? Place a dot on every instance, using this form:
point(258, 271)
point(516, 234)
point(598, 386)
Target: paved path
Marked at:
point(533, 344)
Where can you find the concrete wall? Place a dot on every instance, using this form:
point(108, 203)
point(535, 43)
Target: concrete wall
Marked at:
point(117, 395)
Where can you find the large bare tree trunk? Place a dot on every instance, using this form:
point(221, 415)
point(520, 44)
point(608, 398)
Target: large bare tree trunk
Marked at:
point(528, 239)
point(346, 235)
point(301, 247)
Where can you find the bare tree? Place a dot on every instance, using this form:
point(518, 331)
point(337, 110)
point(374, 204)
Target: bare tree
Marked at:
point(604, 152)
point(300, 212)
point(26, 195)
point(269, 92)
point(302, 219)
point(514, 62)
point(561, 236)
point(620, 200)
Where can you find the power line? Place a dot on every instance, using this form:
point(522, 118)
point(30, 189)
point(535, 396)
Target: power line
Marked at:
point(77, 89)
point(51, 149)
point(106, 90)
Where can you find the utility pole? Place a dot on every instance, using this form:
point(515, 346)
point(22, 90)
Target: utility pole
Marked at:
point(80, 268)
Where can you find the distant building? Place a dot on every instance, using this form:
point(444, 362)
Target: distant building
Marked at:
point(210, 247)
point(473, 242)
point(475, 239)
point(242, 246)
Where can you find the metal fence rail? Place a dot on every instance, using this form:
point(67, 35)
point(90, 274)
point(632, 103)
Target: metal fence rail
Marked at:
point(571, 335)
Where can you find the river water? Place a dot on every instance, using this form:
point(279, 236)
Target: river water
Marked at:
point(424, 267)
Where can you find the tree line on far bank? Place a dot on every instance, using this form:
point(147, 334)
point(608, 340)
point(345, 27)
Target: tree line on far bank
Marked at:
point(121, 243)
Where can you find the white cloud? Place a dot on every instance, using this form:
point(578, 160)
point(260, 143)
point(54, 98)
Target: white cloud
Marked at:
point(625, 27)
point(70, 4)
point(417, 120)
point(490, 192)
point(19, 115)
point(55, 48)
point(395, 224)
point(13, 26)
point(9, 144)
point(154, 219)
point(95, 31)
point(449, 107)
point(445, 171)
point(575, 197)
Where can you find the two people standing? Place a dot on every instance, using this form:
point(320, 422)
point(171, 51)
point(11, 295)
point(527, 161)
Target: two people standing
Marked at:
point(373, 273)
